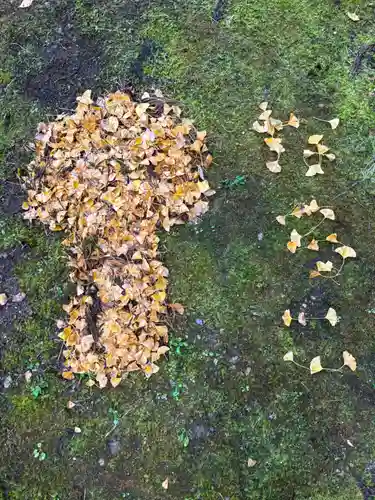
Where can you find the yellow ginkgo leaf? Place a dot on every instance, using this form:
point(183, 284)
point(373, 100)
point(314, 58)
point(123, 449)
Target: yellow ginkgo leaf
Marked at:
point(292, 246)
point(3, 299)
point(307, 153)
point(293, 121)
point(314, 139)
point(328, 213)
point(295, 237)
point(312, 207)
point(314, 274)
point(287, 318)
point(274, 166)
point(289, 356)
point(315, 365)
point(330, 156)
point(278, 124)
point(349, 360)
point(334, 123)
point(332, 238)
point(332, 317)
point(281, 219)
point(353, 16)
point(298, 212)
point(265, 115)
point(274, 145)
point(346, 252)
point(313, 245)
point(263, 105)
point(259, 128)
point(324, 266)
point(322, 149)
point(314, 169)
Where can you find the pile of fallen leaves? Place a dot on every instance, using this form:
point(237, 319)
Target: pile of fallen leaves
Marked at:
point(110, 175)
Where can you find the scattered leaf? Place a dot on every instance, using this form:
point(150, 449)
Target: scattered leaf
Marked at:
point(288, 356)
point(349, 360)
point(314, 169)
point(263, 105)
point(334, 123)
point(251, 462)
point(293, 121)
point(165, 483)
point(315, 366)
point(328, 213)
point(314, 139)
point(287, 318)
point(353, 16)
point(68, 375)
point(274, 166)
point(295, 237)
point(330, 156)
point(302, 319)
point(313, 245)
point(25, 4)
point(258, 127)
point(332, 238)
point(324, 266)
point(77, 430)
point(3, 299)
point(346, 252)
point(292, 246)
point(313, 206)
point(331, 316)
point(314, 274)
point(70, 405)
point(281, 220)
point(274, 144)
point(307, 153)
point(179, 308)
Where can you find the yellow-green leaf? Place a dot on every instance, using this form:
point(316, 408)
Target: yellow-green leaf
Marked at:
point(332, 317)
point(349, 360)
point(288, 356)
point(287, 318)
point(314, 139)
point(346, 252)
point(315, 365)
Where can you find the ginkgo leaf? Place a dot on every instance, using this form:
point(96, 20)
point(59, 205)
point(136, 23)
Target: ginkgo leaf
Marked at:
point(179, 308)
point(314, 169)
point(274, 144)
point(349, 360)
point(165, 484)
point(330, 156)
point(324, 266)
point(265, 115)
point(312, 207)
point(314, 139)
point(68, 375)
point(334, 123)
point(332, 317)
point(292, 246)
point(315, 365)
point(298, 212)
point(307, 153)
point(263, 105)
point(274, 166)
point(259, 128)
point(3, 299)
point(293, 121)
point(295, 237)
point(302, 318)
point(328, 213)
point(353, 16)
point(288, 356)
point(251, 462)
point(281, 219)
point(332, 238)
point(313, 245)
point(142, 108)
point(314, 274)
point(25, 4)
point(346, 252)
point(321, 149)
point(287, 318)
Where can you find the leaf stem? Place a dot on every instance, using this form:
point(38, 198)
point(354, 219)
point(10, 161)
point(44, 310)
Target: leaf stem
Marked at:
point(301, 366)
point(315, 227)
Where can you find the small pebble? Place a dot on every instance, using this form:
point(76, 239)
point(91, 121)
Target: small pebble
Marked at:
point(101, 462)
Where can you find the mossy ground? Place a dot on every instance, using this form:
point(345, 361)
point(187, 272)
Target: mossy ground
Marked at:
point(225, 394)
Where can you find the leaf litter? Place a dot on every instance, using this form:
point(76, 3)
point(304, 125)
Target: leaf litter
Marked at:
point(110, 175)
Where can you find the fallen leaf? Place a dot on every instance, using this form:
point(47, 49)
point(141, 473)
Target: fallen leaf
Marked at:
point(332, 238)
point(313, 245)
point(28, 376)
point(322, 149)
point(313, 206)
point(315, 366)
point(263, 105)
point(287, 318)
point(349, 360)
point(281, 219)
point(179, 308)
point(25, 4)
point(334, 123)
point(307, 153)
point(251, 462)
point(77, 430)
point(274, 166)
point(258, 127)
point(314, 139)
point(324, 266)
point(353, 16)
point(70, 405)
point(288, 356)
point(330, 156)
point(298, 212)
point(346, 252)
point(165, 483)
point(295, 237)
point(68, 375)
point(302, 319)
point(314, 169)
point(328, 213)
point(265, 115)
point(331, 316)
point(314, 274)
point(293, 121)
point(292, 246)
point(274, 144)
point(3, 299)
